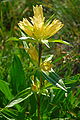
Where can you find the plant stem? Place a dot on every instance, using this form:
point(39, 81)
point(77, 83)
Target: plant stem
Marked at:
point(40, 52)
point(38, 102)
point(38, 96)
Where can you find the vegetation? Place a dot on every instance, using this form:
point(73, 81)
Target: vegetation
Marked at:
point(39, 70)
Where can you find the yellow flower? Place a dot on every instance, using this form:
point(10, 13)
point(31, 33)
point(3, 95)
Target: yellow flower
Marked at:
point(34, 88)
point(46, 66)
point(38, 29)
point(33, 52)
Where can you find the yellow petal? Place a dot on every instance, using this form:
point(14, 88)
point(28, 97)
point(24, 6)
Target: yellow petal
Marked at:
point(26, 26)
point(46, 66)
point(33, 53)
point(53, 28)
point(27, 23)
point(38, 11)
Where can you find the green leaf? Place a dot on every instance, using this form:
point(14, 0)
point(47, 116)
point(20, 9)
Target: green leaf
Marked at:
point(28, 39)
point(9, 114)
point(12, 39)
point(33, 104)
point(72, 79)
point(21, 96)
point(7, 118)
point(45, 42)
point(48, 57)
point(57, 78)
point(59, 41)
point(17, 75)
point(50, 19)
point(59, 58)
point(4, 88)
point(53, 81)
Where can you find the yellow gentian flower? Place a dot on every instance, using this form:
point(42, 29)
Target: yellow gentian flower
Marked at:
point(34, 88)
point(32, 52)
point(46, 66)
point(38, 29)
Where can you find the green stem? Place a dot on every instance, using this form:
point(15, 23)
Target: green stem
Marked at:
point(40, 52)
point(38, 102)
point(38, 96)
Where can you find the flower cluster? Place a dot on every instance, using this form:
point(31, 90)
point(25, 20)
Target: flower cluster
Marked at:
point(38, 28)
